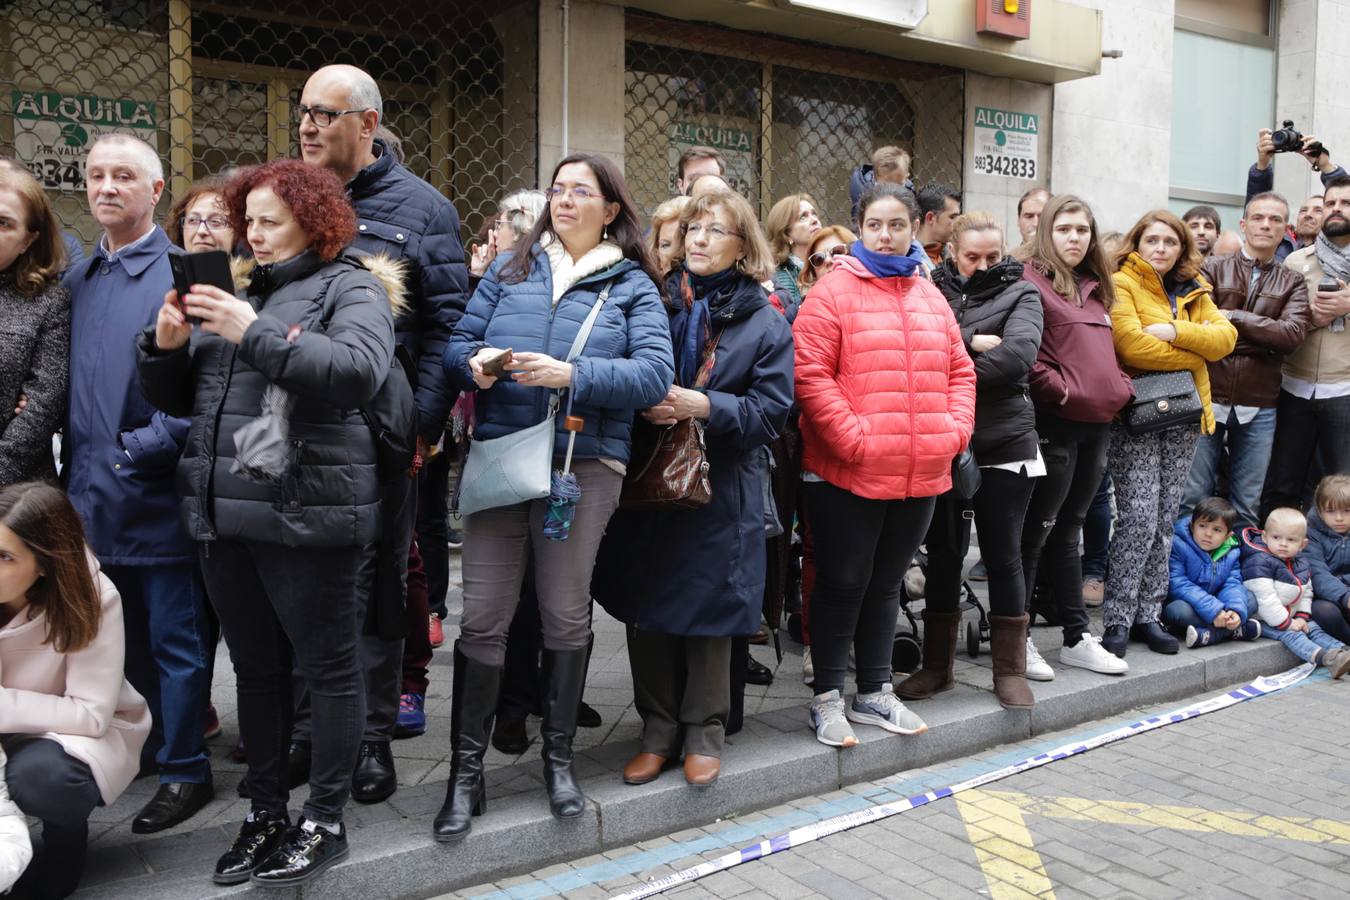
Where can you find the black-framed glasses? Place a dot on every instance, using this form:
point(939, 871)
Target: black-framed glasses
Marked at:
point(818, 258)
point(322, 116)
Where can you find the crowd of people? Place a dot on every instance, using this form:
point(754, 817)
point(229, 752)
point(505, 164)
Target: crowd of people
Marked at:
point(685, 415)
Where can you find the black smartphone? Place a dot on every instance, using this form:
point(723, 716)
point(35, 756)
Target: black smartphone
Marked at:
point(207, 267)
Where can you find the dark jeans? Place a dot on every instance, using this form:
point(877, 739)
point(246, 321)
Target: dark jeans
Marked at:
point(1075, 459)
point(863, 548)
point(280, 606)
point(1177, 615)
point(433, 528)
point(1097, 532)
point(1302, 428)
point(168, 648)
point(1332, 618)
point(999, 507)
point(1248, 449)
point(50, 784)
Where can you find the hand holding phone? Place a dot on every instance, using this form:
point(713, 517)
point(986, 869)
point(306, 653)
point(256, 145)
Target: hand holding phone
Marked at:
point(208, 267)
point(496, 365)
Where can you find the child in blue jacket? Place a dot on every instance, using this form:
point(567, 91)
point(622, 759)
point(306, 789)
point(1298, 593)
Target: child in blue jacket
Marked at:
point(1206, 600)
point(1329, 556)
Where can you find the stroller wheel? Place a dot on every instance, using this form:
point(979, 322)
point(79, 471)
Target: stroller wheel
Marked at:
point(972, 639)
point(906, 654)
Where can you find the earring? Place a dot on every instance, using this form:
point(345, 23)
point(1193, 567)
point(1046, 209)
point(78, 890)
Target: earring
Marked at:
point(604, 233)
point(740, 265)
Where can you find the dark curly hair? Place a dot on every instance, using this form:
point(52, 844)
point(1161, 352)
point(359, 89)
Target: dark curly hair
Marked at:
point(313, 194)
point(173, 225)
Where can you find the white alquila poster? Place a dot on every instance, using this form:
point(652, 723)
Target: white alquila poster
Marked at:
point(53, 131)
point(1006, 143)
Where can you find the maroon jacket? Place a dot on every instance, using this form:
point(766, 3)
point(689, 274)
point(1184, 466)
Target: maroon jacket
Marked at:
point(1076, 375)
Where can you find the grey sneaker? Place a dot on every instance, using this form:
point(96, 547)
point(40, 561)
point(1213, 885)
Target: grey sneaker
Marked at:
point(885, 710)
point(827, 718)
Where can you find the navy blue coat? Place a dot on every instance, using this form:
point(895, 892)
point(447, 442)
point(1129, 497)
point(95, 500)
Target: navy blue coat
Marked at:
point(625, 366)
point(1209, 587)
point(701, 572)
point(1329, 558)
point(119, 451)
point(401, 216)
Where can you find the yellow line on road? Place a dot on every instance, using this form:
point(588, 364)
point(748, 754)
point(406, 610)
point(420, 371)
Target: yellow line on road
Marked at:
point(1003, 847)
point(1177, 818)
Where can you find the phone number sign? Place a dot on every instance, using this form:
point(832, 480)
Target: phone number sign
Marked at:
point(1006, 143)
point(53, 131)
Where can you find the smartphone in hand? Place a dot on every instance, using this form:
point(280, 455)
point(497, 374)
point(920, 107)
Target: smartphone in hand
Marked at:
point(208, 267)
point(496, 365)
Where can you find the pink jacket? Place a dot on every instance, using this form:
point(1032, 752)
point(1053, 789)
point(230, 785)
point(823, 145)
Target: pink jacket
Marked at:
point(886, 388)
point(81, 700)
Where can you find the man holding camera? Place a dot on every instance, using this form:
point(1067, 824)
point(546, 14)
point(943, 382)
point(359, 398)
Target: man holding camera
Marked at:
point(1268, 305)
point(1314, 404)
point(1261, 177)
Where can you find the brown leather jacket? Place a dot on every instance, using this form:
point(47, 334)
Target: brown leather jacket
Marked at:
point(1271, 322)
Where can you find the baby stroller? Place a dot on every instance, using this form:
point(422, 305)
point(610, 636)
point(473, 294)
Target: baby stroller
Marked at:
point(907, 651)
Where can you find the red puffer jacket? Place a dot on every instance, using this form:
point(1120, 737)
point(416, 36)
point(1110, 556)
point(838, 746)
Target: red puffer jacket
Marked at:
point(886, 389)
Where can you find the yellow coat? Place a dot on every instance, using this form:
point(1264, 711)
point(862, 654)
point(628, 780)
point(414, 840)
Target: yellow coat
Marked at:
point(1203, 334)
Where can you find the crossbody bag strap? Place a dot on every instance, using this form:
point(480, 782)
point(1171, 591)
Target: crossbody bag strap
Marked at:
point(579, 342)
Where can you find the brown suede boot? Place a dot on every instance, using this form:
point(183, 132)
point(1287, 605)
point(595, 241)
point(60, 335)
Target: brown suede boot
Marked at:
point(939, 651)
point(1008, 646)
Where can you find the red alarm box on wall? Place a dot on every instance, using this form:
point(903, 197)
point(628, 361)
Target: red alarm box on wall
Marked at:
point(1004, 18)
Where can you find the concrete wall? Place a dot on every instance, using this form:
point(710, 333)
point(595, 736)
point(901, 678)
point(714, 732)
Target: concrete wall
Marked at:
point(595, 88)
point(999, 194)
point(1313, 86)
point(1113, 133)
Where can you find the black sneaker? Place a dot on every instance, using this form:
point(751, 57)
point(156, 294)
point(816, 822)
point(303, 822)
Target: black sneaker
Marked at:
point(301, 855)
point(254, 843)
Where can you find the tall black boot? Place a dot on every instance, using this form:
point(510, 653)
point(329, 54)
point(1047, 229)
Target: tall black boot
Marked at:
point(472, 705)
point(564, 680)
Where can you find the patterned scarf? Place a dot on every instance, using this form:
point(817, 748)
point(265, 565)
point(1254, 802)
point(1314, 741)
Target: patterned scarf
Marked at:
point(1334, 260)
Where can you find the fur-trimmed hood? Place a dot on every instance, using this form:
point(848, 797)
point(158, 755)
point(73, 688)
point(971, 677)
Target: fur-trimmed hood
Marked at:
point(389, 271)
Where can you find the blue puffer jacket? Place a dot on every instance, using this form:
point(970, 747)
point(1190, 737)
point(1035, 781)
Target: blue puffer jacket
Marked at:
point(1209, 587)
point(626, 364)
point(1328, 556)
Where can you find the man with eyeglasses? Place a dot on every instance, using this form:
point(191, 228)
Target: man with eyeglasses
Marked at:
point(399, 215)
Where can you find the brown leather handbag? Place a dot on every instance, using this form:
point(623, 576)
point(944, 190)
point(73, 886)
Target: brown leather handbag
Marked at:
point(668, 468)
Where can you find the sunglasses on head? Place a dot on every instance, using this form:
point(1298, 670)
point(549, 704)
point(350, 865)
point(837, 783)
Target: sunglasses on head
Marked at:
point(818, 258)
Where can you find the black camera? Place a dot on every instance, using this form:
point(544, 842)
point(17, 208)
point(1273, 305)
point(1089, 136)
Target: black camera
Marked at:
point(1290, 140)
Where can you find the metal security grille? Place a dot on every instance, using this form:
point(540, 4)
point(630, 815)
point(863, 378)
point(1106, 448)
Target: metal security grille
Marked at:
point(787, 116)
point(213, 85)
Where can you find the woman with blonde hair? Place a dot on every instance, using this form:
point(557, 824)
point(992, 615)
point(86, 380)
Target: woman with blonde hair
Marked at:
point(664, 239)
point(826, 244)
point(688, 581)
point(1164, 320)
point(790, 225)
point(35, 343)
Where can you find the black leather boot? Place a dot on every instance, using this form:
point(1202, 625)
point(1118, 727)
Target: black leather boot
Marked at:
point(564, 680)
point(473, 704)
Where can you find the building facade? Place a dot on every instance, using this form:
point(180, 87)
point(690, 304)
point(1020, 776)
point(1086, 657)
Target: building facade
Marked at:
point(486, 95)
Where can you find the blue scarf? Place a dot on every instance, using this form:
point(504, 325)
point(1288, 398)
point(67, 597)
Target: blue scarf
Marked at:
point(885, 265)
point(689, 327)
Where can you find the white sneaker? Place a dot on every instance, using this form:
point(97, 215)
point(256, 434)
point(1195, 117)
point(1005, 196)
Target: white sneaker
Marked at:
point(827, 718)
point(1089, 654)
point(885, 710)
point(1037, 668)
point(808, 670)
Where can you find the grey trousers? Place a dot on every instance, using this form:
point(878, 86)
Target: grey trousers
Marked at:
point(682, 691)
point(496, 545)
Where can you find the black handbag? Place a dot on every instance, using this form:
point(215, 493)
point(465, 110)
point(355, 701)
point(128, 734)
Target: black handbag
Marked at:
point(966, 476)
point(1162, 400)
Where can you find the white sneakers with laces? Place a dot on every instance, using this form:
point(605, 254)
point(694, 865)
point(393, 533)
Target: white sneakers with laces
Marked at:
point(1089, 654)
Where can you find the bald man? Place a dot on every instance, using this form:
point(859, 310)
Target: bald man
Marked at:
point(402, 216)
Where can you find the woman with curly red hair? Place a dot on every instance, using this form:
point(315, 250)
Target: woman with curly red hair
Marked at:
point(284, 546)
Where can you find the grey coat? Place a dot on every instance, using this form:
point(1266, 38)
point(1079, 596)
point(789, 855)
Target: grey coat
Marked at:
point(34, 360)
point(332, 496)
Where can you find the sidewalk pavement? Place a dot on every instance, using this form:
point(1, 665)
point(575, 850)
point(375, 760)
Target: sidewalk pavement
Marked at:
point(773, 760)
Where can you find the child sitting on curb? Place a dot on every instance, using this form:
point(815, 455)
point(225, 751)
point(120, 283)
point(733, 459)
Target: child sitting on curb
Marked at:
point(1276, 571)
point(1329, 556)
point(1206, 600)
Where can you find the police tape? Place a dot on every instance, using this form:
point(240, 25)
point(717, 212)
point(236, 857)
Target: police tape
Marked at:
point(1261, 687)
